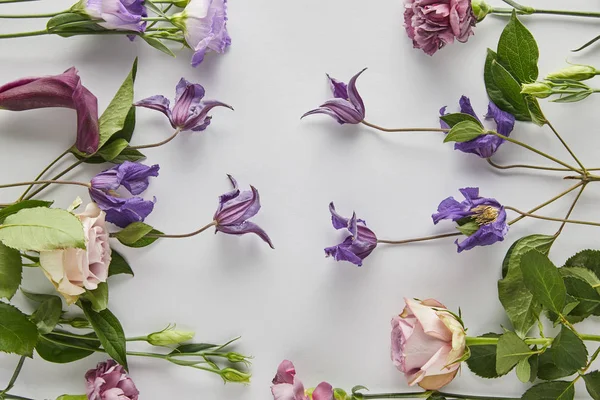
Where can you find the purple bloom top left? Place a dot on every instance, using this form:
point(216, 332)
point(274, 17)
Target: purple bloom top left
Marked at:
point(134, 177)
point(484, 213)
point(356, 247)
point(347, 106)
point(109, 381)
point(485, 145)
point(235, 209)
point(123, 15)
point(189, 113)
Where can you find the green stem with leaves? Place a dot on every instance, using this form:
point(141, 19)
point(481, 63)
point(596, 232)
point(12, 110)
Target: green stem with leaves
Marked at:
point(23, 16)
point(527, 10)
point(403, 129)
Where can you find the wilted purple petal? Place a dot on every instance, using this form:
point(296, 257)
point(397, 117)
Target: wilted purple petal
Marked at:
point(198, 119)
point(505, 122)
point(122, 211)
point(355, 247)
point(339, 89)
point(342, 253)
point(158, 103)
point(123, 15)
point(466, 108)
point(337, 220)
point(354, 96)
point(243, 228)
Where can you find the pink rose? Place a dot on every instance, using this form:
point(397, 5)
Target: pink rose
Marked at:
point(109, 381)
point(427, 340)
point(73, 271)
point(287, 387)
point(432, 24)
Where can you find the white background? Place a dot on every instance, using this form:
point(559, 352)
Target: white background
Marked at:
point(331, 319)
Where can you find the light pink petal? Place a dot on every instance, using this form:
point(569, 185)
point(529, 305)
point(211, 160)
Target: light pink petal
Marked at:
point(420, 348)
point(429, 320)
point(323, 392)
point(283, 391)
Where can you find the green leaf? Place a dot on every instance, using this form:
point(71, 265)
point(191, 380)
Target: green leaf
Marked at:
point(592, 384)
point(11, 269)
point(518, 51)
point(114, 117)
point(109, 332)
point(543, 280)
point(111, 150)
point(98, 297)
point(568, 350)
point(129, 154)
point(521, 308)
point(134, 235)
point(582, 273)
point(72, 397)
point(126, 132)
point(558, 390)
point(533, 365)
point(547, 370)
point(193, 348)
point(587, 297)
point(535, 112)
point(358, 388)
point(589, 259)
point(37, 297)
point(40, 229)
point(483, 359)
point(436, 396)
point(17, 333)
point(456, 118)
point(469, 228)
point(64, 19)
point(157, 44)
point(118, 265)
point(510, 350)
point(47, 314)
point(15, 208)
point(464, 131)
point(55, 348)
point(503, 89)
point(523, 370)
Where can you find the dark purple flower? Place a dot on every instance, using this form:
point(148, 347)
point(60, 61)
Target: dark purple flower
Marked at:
point(64, 90)
point(134, 178)
point(109, 381)
point(347, 106)
point(432, 24)
point(189, 113)
point(356, 247)
point(485, 145)
point(482, 212)
point(123, 15)
point(235, 209)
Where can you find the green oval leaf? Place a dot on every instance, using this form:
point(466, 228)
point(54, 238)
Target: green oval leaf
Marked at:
point(118, 265)
point(47, 314)
point(15, 208)
point(483, 359)
point(17, 333)
point(547, 370)
point(456, 118)
point(464, 131)
point(109, 332)
point(98, 297)
point(11, 269)
point(559, 390)
point(518, 51)
point(568, 350)
point(544, 281)
point(510, 351)
point(56, 349)
point(592, 384)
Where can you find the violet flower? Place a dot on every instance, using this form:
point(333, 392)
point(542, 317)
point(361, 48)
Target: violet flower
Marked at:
point(235, 209)
point(109, 381)
point(65, 91)
point(485, 145)
point(486, 213)
point(204, 25)
point(134, 178)
point(287, 387)
point(189, 113)
point(432, 24)
point(122, 15)
point(356, 247)
point(347, 106)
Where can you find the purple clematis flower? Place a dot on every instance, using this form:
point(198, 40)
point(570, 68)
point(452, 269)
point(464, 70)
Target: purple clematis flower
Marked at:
point(486, 213)
point(64, 90)
point(204, 25)
point(356, 247)
point(134, 178)
point(485, 145)
point(189, 113)
point(347, 106)
point(235, 209)
point(122, 15)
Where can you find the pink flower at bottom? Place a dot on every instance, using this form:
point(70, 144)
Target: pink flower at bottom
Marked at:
point(287, 387)
point(109, 381)
point(432, 24)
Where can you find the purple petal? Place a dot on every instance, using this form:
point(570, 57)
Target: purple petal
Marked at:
point(466, 108)
point(470, 193)
point(325, 111)
point(88, 131)
point(158, 103)
point(243, 207)
point(339, 89)
point(197, 119)
point(204, 125)
point(186, 101)
point(505, 122)
point(324, 391)
point(243, 228)
point(354, 96)
point(341, 253)
point(136, 176)
point(337, 220)
point(442, 113)
point(120, 211)
point(352, 227)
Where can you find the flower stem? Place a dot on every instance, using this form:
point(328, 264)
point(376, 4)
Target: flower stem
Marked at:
point(50, 15)
point(571, 221)
point(14, 377)
point(424, 395)
point(23, 34)
point(421, 239)
point(59, 175)
point(493, 164)
point(49, 182)
point(492, 341)
point(167, 140)
point(566, 146)
point(403, 129)
point(541, 153)
point(544, 204)
point(57, 159)
point(184, 235)
point(14, 1)
point(570, 210)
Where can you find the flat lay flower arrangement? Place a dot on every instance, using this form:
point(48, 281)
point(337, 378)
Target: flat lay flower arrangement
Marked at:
point(544, 298)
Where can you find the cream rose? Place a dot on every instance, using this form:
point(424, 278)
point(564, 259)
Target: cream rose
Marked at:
point(73, 271)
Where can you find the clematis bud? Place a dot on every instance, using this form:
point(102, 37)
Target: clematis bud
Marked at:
point(169, 336)
point(575, 72)
point(233, 375)
point(541, 90)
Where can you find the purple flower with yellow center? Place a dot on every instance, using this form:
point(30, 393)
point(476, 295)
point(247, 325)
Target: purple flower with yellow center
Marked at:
point(347, 106)
point(189, 113)
point(356, 247)
point(235, 209)
point(122, 15)
point(482, 219)
point(134, 177)
point(485, 145)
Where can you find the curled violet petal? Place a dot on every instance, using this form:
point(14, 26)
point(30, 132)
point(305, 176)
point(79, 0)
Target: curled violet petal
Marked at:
point(356, 247)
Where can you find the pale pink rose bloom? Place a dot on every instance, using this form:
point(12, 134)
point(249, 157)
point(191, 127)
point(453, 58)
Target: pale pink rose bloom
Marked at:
point(73, 271)
point(426, 343)
point(287, 387)
point(432, 24)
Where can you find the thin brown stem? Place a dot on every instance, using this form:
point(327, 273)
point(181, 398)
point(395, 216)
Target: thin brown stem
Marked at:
point(544, 204)
point(57, 159)
point(570, 221)
point(403, 129)
point(167, 140)
point(571, 209)
point(566, 146)
point(49, 182)
point(493, 164)
point(421, 239)
point(184, 235)
point(59, 175)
